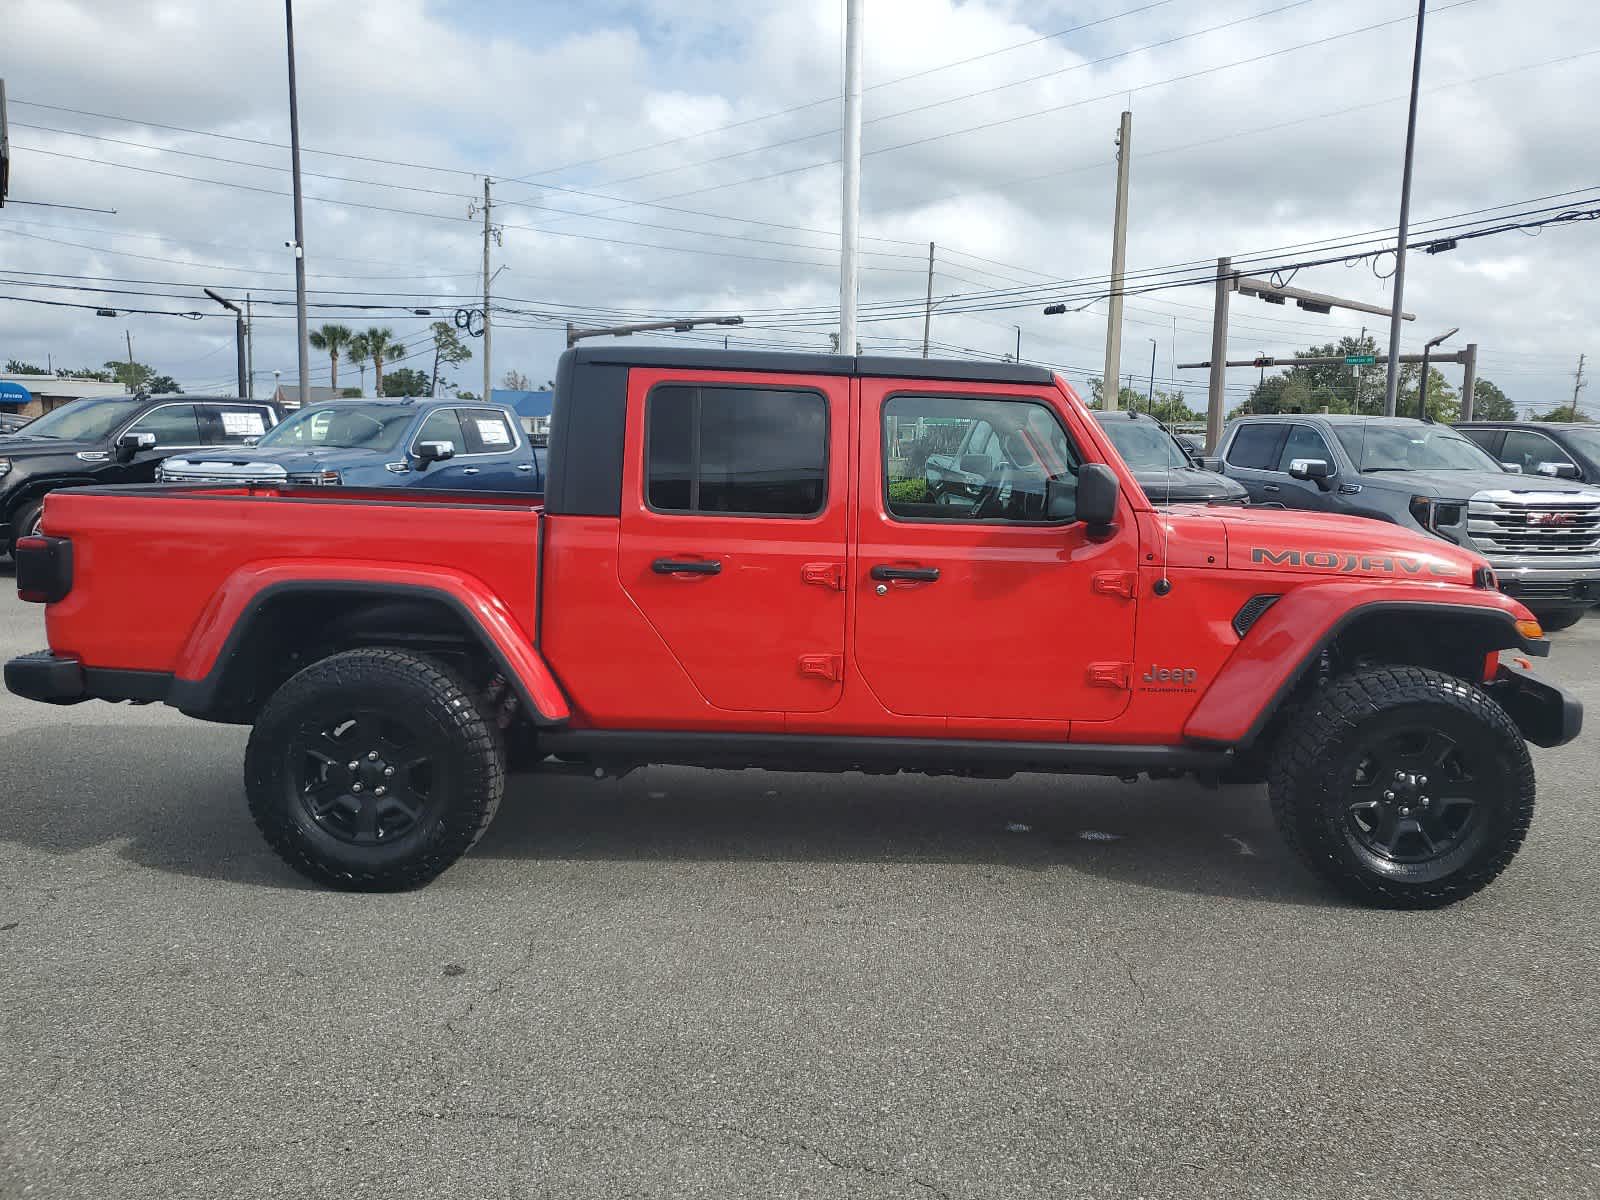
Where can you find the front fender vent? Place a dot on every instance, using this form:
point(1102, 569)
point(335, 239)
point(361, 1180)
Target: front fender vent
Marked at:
point(1251, 612)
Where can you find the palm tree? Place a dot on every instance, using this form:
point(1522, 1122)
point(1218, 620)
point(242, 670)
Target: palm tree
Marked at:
point(333, 338)
point(357, 353)
point(379, 344)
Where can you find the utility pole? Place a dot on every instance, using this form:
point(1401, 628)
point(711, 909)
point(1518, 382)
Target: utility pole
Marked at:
point(1219, 355)
point(1578, 384)
point(1018, 357)
point(301, 327)
point(1469, 379)
point(927, 310)
point(1393, 385)
point(129, 336)
point(1150, 397)
point(487, 370)
point(249, 350)
point(1119, 249)
point(851, 206)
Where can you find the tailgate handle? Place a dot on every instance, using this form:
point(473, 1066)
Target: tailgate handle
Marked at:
point(916, 574)
point(693, 566)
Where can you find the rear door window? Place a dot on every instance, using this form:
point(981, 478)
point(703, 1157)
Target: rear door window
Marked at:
point(1257, 447)
point(741, 451)
point(487, 431)
point(234, 424)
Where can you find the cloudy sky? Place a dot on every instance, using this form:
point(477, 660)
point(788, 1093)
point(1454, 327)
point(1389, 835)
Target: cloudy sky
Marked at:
point(676, 156)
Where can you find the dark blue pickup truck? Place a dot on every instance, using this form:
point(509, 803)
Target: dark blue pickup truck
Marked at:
point(445, 444)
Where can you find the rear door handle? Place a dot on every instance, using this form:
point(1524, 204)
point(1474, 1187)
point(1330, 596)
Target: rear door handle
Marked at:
point(525, 466)
point(692, 566)
point(918, 574)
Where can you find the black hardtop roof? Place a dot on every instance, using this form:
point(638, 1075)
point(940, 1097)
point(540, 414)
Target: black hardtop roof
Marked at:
point(1339, 418)
point(1539, 426)
point(783, 362)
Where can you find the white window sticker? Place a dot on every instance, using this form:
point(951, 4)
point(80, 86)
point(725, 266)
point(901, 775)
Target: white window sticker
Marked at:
point(243, 424)
point(493, 433)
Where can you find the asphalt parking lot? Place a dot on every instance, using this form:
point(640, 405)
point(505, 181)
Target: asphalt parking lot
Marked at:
point(698, 984)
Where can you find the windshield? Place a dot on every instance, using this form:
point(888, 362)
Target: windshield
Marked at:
point(342, 427)
point(1144, 444)
point(83, 420)
point(1419, 448)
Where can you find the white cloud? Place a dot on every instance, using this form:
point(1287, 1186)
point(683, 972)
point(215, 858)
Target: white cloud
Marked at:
point(522, 89)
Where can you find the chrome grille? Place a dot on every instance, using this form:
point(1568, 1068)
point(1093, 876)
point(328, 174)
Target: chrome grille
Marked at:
point(1546, 524)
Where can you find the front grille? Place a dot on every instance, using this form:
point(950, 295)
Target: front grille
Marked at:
point(1543, 589)
point(1542, 524)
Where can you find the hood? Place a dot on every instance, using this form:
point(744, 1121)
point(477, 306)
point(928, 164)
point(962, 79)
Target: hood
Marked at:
point(1188, 485)
point(245, 461)
point(1277, 539)
point(20, 445)
point(1461, 485)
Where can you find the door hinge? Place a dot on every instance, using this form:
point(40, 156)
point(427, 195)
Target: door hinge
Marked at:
point(1114, 583)
point(823, 666)
point(1109, 675)
point(824, 574)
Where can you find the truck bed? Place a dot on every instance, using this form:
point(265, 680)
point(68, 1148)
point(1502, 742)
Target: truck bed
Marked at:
point(167, 558)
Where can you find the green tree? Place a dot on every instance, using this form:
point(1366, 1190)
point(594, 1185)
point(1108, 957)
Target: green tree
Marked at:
point(405, 381)
point(1565, 413)
point(163, 385)
point(15, 366)
point(86, 373)
point(1489, 403)
point(331, 340)
point(377, 344)
point(135, 376)
point(1443, 402)
point(448, 350)
point(516, 381)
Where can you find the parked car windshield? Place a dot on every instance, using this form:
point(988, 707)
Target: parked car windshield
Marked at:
point(1144, 444)
point(84, 420)
point(342, 427)
point(1418, 448)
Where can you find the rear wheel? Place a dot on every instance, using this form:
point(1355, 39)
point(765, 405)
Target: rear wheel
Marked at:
point(1403, 787)
point(373, 770)
point(28, 520)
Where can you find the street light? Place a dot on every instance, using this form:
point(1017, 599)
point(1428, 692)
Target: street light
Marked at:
point(575, 334)
point(1427, 349)
point(238, 333)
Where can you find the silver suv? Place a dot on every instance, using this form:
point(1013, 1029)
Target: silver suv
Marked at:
point(1542, 536)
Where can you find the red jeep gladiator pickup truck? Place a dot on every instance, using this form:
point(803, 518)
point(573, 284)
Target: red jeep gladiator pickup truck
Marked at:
point(737, 564)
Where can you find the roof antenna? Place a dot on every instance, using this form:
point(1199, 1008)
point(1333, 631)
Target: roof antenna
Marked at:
point(1164, 584)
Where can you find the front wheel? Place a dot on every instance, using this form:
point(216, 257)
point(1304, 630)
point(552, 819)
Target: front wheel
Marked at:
point(1403, 787)
point(373, 770)
point(1555, 620)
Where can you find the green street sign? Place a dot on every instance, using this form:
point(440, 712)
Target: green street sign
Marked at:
point(1360, 360)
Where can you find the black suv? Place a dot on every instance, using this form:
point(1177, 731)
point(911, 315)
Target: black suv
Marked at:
point(1166, 468)
point(116, 439)
point(1541, 535)
point(1541, 447)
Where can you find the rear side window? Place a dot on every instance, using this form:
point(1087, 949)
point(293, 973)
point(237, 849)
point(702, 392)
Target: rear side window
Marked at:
point(735, 450)
point(488, 431)
point(234, 424)
point(1256, 447)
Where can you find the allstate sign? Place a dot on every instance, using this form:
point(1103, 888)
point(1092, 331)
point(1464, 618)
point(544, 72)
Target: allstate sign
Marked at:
point(13, 393)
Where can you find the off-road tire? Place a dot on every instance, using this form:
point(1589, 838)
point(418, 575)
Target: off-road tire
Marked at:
point(1315, 768)
point(1555, 620)
point(466, 769)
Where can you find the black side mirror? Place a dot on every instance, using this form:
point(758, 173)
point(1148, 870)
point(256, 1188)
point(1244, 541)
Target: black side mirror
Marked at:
point(1209, 463)
point(432, 452)
point(1314, 470)
point(130, 444)
point(1098, 496)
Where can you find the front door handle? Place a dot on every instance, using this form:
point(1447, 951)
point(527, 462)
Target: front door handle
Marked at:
point(1270, 487)
point(469, 470)
point(917, 574)
point(525, 466)
point(692, 566)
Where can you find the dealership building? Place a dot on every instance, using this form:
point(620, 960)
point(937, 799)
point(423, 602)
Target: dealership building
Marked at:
point(35, 395)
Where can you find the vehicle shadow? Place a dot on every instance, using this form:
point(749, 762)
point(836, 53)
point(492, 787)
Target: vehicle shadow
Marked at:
point(170, 798)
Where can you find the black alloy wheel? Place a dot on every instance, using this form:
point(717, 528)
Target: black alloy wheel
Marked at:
point(1415, 795)
point(366, 777)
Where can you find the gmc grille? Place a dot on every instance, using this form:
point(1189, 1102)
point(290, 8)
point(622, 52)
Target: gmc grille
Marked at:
point(1551, 525)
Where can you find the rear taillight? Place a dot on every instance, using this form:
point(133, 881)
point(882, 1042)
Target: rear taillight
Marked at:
point(44, 568)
